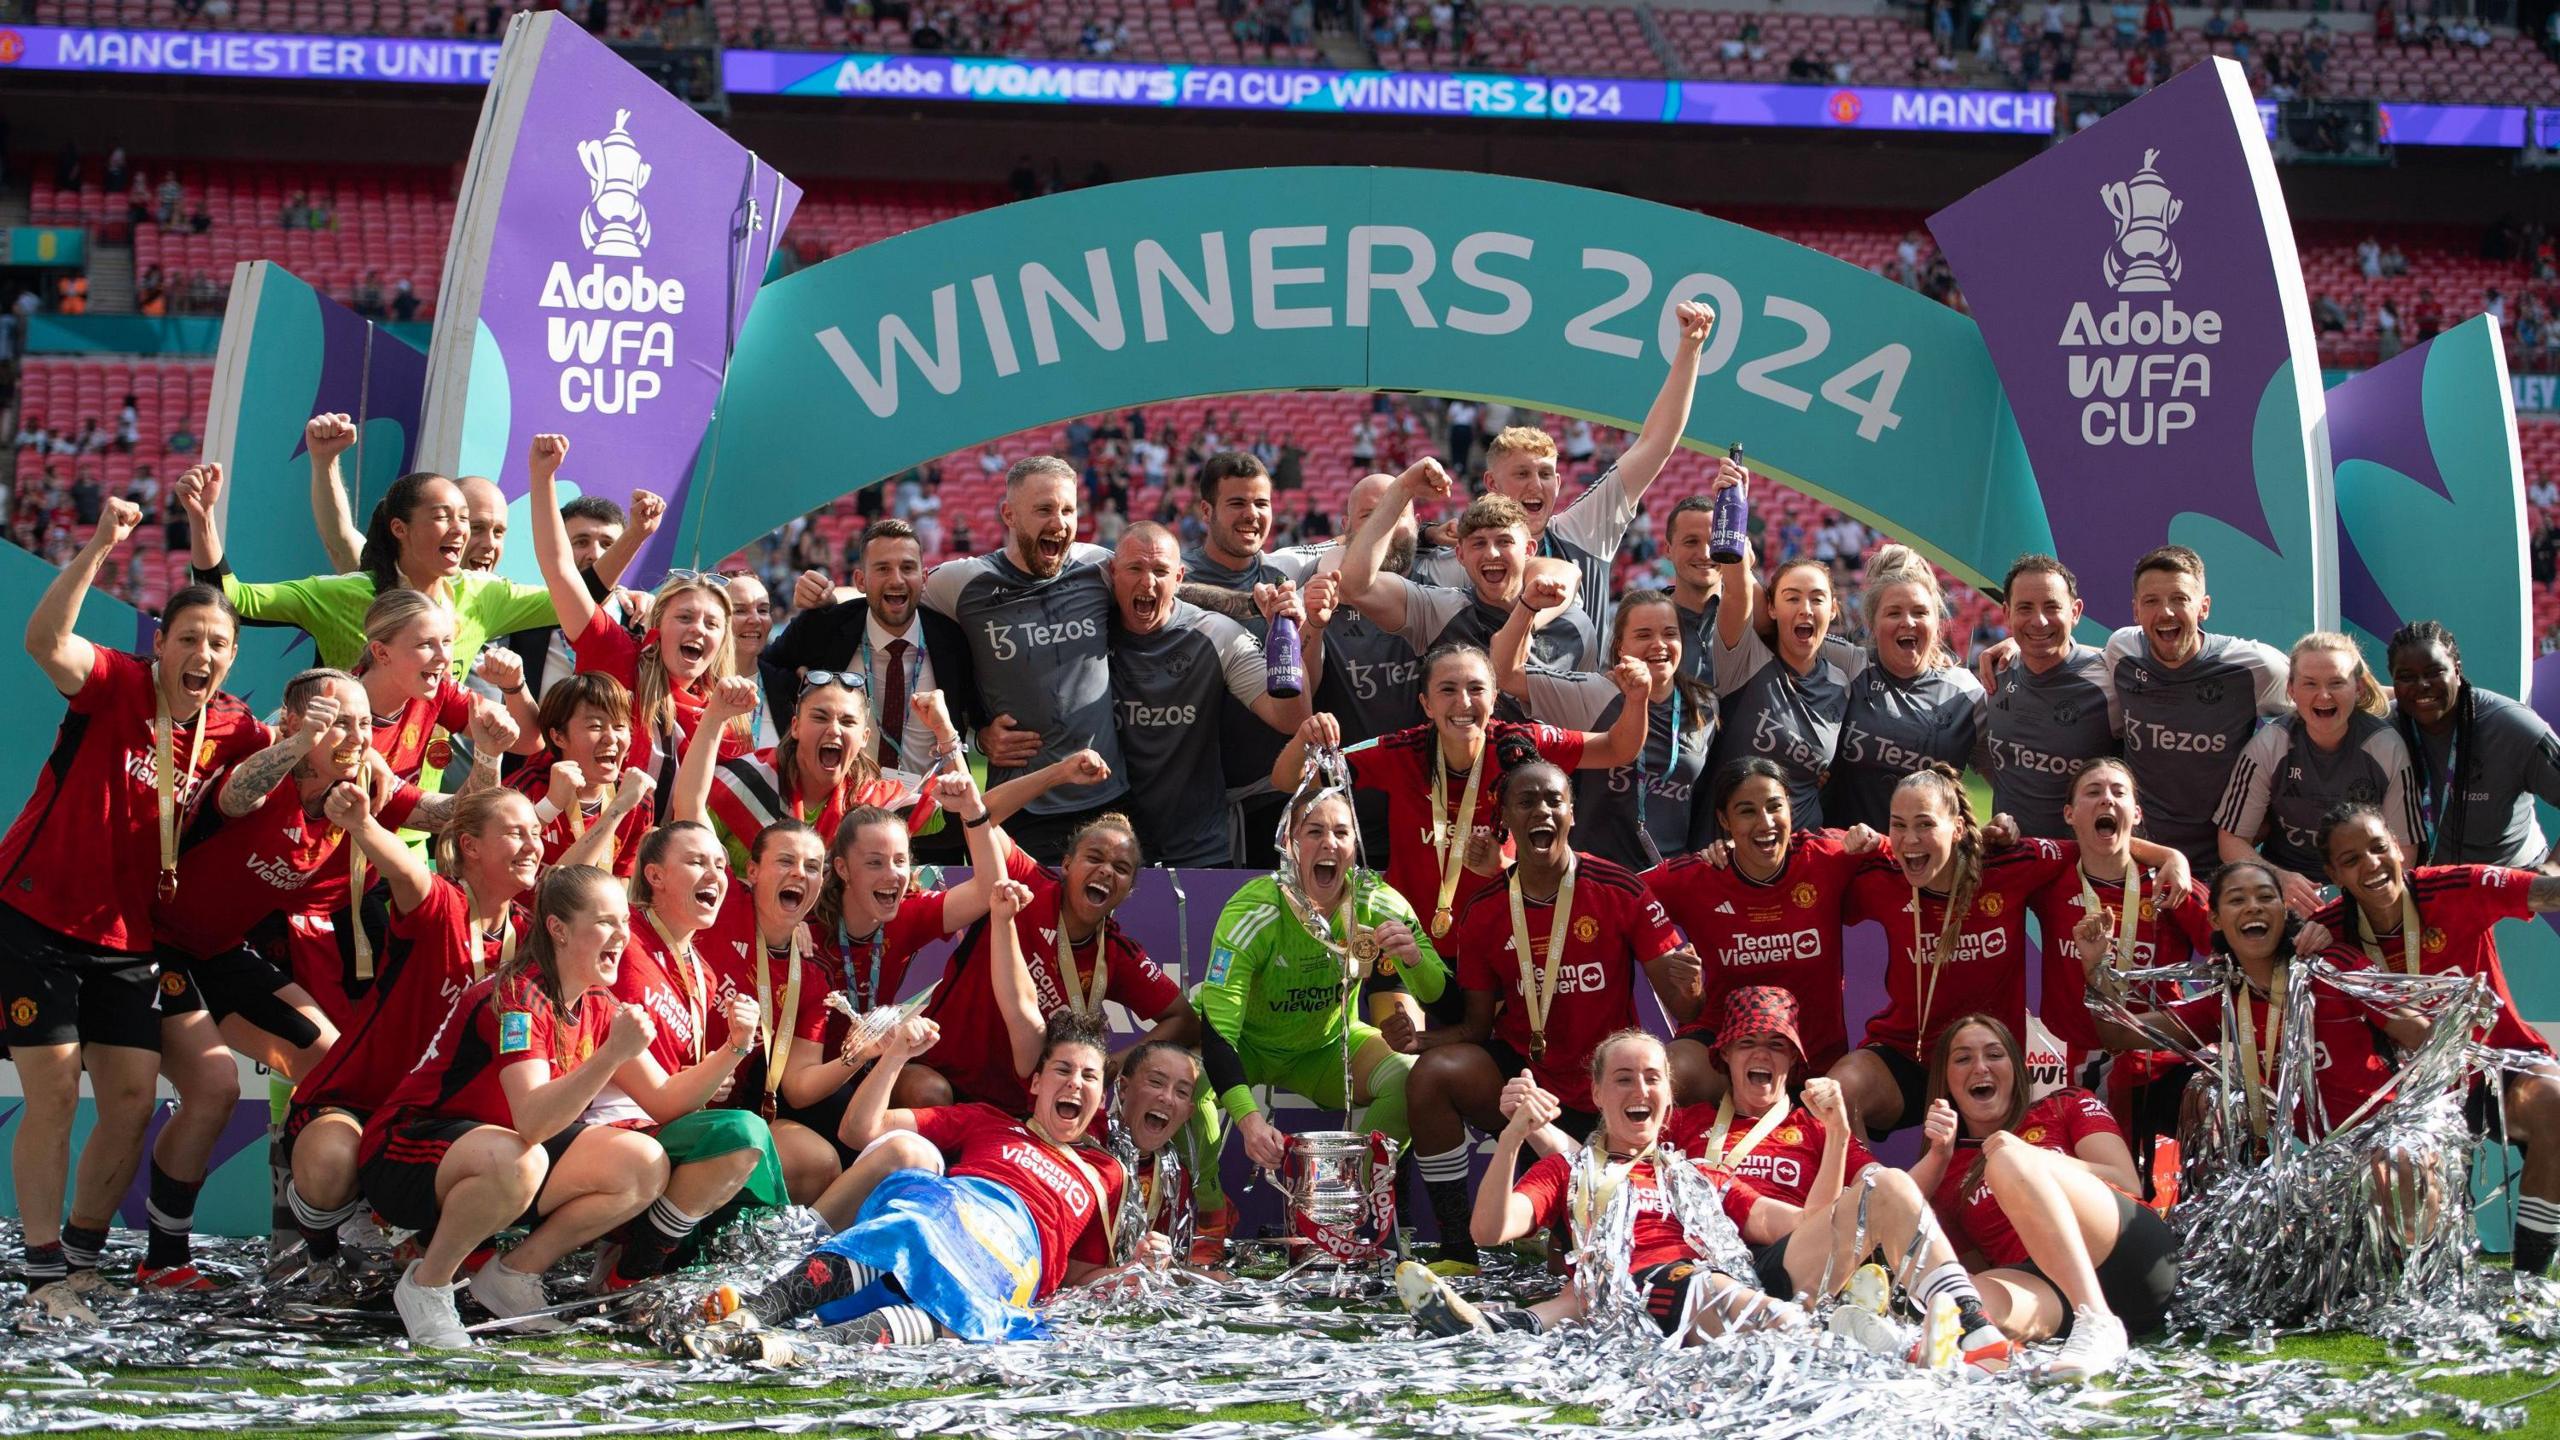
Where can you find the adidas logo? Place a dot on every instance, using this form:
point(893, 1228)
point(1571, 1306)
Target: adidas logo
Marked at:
point(1724, 907)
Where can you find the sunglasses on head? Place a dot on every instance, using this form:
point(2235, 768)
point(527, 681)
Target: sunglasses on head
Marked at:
point(849, 679)
point(715, 578)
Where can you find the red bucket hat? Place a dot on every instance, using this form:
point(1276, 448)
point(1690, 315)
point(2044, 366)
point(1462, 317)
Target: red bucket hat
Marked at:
point(1757, 1010)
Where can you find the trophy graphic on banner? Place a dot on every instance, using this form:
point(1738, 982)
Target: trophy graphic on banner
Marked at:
point(2144, 260)
point(614, 224)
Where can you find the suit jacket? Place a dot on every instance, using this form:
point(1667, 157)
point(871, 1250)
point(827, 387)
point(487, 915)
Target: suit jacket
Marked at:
point(830, 638)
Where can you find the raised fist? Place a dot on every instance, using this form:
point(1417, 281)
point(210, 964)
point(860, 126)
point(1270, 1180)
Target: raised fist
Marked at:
point(648, 510)
point(501, 667)
point(568, 778)
point(1426, 480)
point(544, 459)
point(1697, 320)
point(117, 519)
point(318, 714)
point(815, 589)
point(328, 436)
point(732, 697)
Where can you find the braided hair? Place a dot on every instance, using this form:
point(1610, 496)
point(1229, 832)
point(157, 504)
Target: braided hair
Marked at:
point(2419, 634)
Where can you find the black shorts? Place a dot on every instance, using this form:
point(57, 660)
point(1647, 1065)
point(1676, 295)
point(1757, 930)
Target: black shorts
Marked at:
point(1911, 1078)
point(399, 1180)
point(298, 1118)
point(2137, 1277)
point(826, 1117)
point(1577, 1123)
point(54, 990)
point(239, 981)
point(2485, 1112)
point(1769, 1268)
point(1665, 1288)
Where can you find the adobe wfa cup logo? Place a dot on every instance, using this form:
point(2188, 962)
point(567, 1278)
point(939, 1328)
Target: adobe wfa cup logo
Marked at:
point(614, 223)
point(2144, 260)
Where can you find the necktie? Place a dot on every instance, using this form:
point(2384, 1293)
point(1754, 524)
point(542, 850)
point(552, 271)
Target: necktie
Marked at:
point(892, 718)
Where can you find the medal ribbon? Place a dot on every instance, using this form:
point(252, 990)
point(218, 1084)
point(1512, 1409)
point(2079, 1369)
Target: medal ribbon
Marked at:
point(506, 939)
point(1725, 1157)
point(2435, 797)
point(864, 997)
point(1448, 832)
point(1087, 1003)
point(355, 913)
point(164, 777)
point(693, 981)
point(2128, 924)
point(2412, 933)
point(1925, 963)
point(2258, 1066)
point(1538, 992)
point(776, 1033)
point(1596, 1182)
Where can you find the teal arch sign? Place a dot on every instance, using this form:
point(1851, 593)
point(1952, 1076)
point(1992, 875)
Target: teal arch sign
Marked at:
point(1839, 382)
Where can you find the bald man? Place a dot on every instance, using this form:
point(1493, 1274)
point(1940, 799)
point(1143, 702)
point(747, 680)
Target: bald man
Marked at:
point(1171, 662)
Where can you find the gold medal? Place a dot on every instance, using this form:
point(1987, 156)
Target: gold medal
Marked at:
point(439, 750)
point(1439, 924)
point(168, 886)
point(1364, 947)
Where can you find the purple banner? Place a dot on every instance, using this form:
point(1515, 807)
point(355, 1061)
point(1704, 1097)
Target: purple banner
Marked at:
point(249, 56)
point(608, 245)
point(2139, 291)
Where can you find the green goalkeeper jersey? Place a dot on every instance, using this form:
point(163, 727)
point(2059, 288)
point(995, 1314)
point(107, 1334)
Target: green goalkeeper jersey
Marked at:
point(1274, 991)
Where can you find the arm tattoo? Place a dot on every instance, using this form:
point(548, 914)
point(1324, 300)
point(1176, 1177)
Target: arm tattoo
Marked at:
point(1236, 605)
point(254, 778)
point(2543, 895)
point(432, 812)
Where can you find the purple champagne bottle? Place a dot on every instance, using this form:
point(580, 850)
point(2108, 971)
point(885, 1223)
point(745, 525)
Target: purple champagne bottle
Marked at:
point(1285, 676)
point(1732, 530)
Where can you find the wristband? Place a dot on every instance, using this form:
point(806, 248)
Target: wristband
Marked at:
point(515, 689)
point(984, 817)
point(544, 811)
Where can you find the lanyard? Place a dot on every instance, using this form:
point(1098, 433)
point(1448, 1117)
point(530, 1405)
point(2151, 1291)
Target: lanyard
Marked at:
point(1448, 832)
point(1645, 778)
point(1925, 963)
point(1725, 1157)
point(693, 982)
point(2412, 932)
point(893, 724)
point(2435, 798)
point(355, 914)
point(777, 1035)
point(2128, 923)
point(506, 938)
point(1596, 1182)
point(1087, 1003)
point(2258, 1064)
point(164, 778)
point(1538, 992)
point(864, 996)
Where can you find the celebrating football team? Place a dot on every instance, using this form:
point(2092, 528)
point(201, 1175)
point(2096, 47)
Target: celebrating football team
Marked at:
point(580, 922)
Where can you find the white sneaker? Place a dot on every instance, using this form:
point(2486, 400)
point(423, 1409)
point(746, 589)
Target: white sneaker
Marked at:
point(1870, 1331)
point(2097, 1345)
point(56, 1305)
point(428, 1312)
point(507, 1292)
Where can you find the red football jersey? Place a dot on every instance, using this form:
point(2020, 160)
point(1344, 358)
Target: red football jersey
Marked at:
point(1659, 1240)
point(742, 965)
point(2460, 907)
point(281, 858)
point(974, 1053)
point(1071, 1208)
point(2347, 1061)
point(493, 1028)
point(1781, 1166)
point(1400, 766)
point(2169, 934)
point(1988, 972)
point(428, 959)
point(678, 992)
point(1784, 931)
point(83, 858)
point(2058, 1122)
point(405, 737)
point(1617, 927)
point(562, 830)
point(606, 647)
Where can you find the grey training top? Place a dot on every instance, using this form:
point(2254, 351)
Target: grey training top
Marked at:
point(1697, 637)
point(1586, 532)
point(1043, 657)
point(1637, 815)
point(2184, 727)
point(1773, 712)
point(1169, 688)
point(2284, 783)
point(1372, 677)
point(2510, 759)
point(2037, 727)
point(1438, 614)
point(1893, 727)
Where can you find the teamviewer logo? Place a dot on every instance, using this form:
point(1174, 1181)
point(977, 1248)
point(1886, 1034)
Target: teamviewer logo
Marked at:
point(614, 224)
point(2144, 260)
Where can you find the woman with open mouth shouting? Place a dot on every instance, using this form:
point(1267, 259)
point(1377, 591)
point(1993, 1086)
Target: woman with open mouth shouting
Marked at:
point(976, 1218)
point(1440, 777)
point(759, 945)
point(823, 767)
point(585, 723)
point(415, 542)
point(2482, 758)
point(1692, 1285)
point(1786, 692)
point(1912, 703)
point(1640, 812)
point(714, 1155)
point(1548, 963)
point(79, 869)
point(2442, 917)
point(416, 704)
point(488, 1131)
point(672, 669)
point(2155, 917)
point(2334, 749)
point(1763, 907)
point(1282, 983)
point(1952, 908)
point(2042, 1193)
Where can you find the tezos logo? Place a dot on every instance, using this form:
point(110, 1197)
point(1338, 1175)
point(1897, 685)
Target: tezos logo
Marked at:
point(2144, 260)
point(614, 224)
